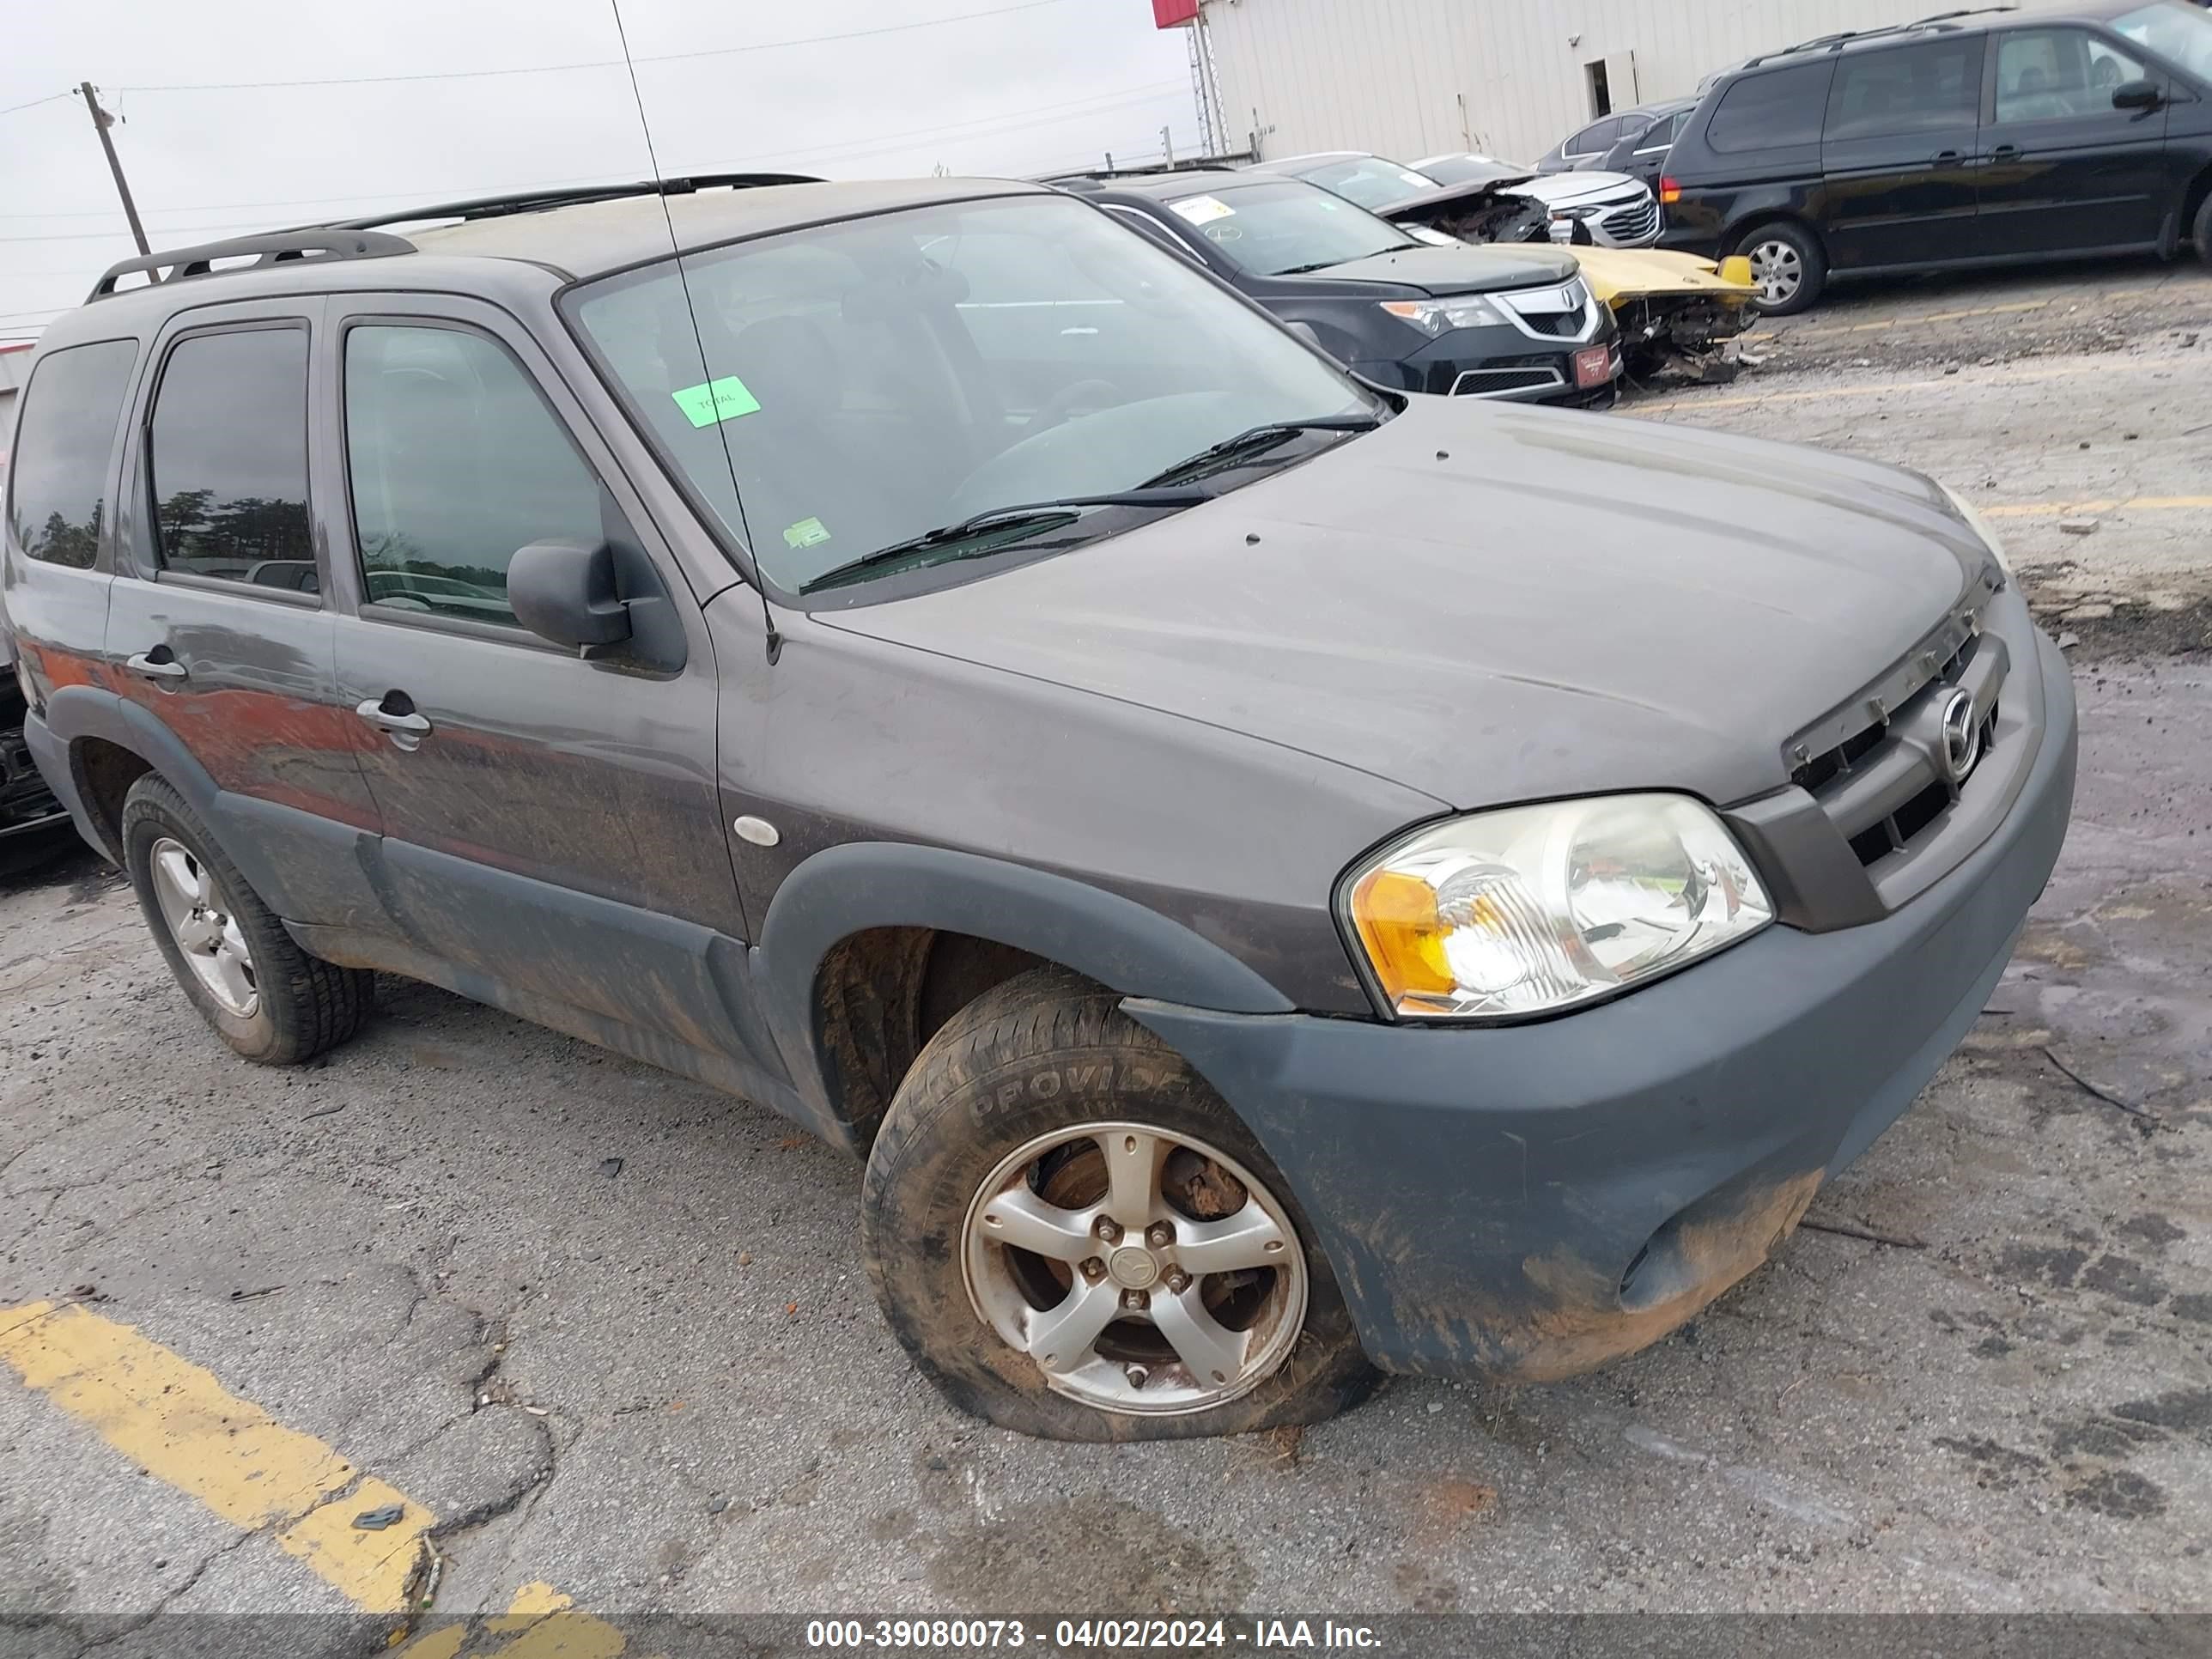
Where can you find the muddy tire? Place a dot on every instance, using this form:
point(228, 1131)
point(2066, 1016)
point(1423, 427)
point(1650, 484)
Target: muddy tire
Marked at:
point(2201, 232)
point(263, 996)
point(1048, 1063)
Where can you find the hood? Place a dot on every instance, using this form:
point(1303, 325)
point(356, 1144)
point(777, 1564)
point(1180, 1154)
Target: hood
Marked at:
point(1491, 604)
point(1626, 273)
point(1467, 191)
point(1567, 188)
point(1462, 269)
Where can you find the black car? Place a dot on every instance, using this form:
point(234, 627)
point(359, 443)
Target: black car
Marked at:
point(1958, 141)
point(1403, 311)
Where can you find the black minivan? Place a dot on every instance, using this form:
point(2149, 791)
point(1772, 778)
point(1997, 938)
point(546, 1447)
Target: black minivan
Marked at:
point(1956, 141)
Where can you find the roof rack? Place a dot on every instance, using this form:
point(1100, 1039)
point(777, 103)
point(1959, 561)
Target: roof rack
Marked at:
point(269, 247)
point(360, 238)
point(540, 201)
point(1837, 42)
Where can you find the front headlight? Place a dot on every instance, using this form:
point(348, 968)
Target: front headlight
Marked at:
point(1500, 915)
point(1442, 316)
point(1979, 525)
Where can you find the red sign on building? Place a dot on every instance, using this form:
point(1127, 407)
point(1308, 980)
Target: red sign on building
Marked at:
point(1173, 14)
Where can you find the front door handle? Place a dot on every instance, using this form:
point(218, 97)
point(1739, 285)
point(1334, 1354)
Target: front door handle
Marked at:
point(406, 727)
point(159, 663)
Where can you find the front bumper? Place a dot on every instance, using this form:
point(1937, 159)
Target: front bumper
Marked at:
point(1529, 1202)
point(1502, 365)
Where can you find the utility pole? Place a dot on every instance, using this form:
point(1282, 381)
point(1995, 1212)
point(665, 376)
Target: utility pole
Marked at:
point(100, 122)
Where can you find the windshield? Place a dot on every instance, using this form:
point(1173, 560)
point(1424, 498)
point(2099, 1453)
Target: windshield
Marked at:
point(1370, 181)
point(1275, 230)
point(2179, 33)
point(877, 379)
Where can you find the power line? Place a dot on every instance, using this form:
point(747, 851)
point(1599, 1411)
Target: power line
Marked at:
point(50, 99)
point(171, 230)
point(605, 63)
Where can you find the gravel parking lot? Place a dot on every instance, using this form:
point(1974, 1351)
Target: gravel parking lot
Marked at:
point(611, 1328)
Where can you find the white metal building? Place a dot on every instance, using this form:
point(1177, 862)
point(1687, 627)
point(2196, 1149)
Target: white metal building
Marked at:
point(1408, 78)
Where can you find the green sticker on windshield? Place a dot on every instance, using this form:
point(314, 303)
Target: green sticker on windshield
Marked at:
point(716, 400)
point(807, 532)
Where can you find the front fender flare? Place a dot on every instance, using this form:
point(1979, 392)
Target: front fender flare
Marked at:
point(848, 890)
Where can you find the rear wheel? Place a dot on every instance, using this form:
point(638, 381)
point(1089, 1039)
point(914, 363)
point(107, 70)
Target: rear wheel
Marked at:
point(265, 996)
point(2202, 232)
point(1788, 265)
point(1074, 1237)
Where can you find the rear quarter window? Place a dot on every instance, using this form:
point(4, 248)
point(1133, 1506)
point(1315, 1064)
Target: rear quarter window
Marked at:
point(58, 476)
point(1774, 110)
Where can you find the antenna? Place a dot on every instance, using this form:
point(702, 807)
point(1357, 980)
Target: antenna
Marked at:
point(691, 312)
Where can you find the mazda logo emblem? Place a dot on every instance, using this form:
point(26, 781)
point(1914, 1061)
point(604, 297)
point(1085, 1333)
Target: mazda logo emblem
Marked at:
point(1962, 736)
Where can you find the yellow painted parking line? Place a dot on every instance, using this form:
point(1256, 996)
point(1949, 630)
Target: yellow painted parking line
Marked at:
point(2135, 504)
point(178, 1423)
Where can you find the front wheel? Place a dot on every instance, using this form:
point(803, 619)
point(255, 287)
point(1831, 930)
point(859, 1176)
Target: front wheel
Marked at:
point(1789, 266)
point(1074, 1237)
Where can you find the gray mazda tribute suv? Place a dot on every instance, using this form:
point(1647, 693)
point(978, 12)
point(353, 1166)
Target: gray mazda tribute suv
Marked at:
point(1277, 880)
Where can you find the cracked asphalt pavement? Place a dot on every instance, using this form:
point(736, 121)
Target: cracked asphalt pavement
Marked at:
point(611, 1329)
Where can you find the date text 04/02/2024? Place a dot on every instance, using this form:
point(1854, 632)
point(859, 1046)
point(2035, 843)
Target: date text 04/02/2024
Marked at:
point(1091, 1635)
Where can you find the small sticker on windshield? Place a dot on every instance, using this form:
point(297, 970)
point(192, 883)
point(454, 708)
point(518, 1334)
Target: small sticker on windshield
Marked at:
point(1204, 209)
point(807, 532)
point(716, 400)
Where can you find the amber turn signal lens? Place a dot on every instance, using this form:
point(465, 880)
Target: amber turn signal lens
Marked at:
point(1396, 916)
point(1669, 192)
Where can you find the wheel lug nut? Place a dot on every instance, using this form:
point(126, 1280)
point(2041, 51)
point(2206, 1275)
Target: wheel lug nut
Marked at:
point(1135, 1299)
point(1094, 1268)
point(1178, 1281)
point(1107, 1230)
point(1159, 1233)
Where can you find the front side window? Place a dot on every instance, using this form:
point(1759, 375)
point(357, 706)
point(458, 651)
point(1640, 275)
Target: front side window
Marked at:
point(1371, 181)
point(2181, 33)
point(455, 463)
point(1772, 110)
point(1906, 89)
point(869, 381)
point(58, 493)
point(227, 452)
point(2057, 74)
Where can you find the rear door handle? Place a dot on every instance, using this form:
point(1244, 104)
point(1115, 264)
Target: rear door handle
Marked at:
point(1947, 155)
point(2004, 152)
point(406, 727)
point(159, 663)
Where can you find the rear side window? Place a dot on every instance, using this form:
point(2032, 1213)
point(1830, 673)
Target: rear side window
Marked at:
point(59, 471)
point(227, 450)
point(1590, 140)
point(1771, 111)
point(456, 464)
point(1922, 88)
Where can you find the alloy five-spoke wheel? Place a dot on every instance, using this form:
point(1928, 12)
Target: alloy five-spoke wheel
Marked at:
point(1777, 269)
point(201, 922)
point(1142, 1269)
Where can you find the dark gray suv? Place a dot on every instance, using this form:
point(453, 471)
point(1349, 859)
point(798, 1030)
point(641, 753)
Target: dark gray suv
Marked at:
point(1277, 879)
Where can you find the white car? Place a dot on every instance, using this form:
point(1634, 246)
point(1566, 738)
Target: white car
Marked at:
point(1614, 209)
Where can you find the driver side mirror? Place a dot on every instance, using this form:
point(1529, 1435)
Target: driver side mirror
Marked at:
point(566, 592)
point(2137, 95)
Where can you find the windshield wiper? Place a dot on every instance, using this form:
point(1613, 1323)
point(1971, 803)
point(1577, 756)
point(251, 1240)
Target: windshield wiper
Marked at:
point(1325, 264)
point(1254, 439)
point(1014, 520)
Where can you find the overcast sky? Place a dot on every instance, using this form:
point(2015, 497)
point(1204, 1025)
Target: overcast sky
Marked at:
point(1040, 84)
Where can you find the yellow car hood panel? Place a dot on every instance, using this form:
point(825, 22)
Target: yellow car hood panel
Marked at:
point(1615, 274)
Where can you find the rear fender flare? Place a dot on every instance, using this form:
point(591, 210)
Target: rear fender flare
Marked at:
point(75, 713)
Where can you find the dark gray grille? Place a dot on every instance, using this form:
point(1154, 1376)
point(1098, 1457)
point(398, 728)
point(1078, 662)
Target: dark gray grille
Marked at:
point(1886, 786)
point(1634, 223)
